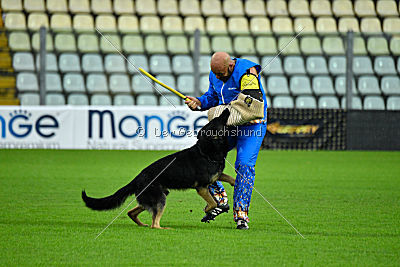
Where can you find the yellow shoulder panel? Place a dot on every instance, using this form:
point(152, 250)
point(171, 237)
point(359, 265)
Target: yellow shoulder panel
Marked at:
point(249, 81)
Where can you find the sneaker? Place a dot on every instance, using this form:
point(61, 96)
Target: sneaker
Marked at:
point(242, 225)
point(210, 216)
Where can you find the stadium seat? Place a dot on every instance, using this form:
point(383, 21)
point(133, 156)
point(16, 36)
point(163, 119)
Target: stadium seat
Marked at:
point(359, 47)
point(266, 45)
point(150, 25)
point(398, 65)
point(298, 8)
point(145, 7)
point(182, 64)
point(88, 43)
point(355, 103)
point(252, 58)
point(53, 82)
point(277, 85)
point(37, 20)
point(11, 5)
point(272, 65)
point(333, 45)
point(114, 63)
point(393, 103)
point(342, 8)
point(340, 85)
point(167, 100)
point(34, 6)
point(106, 23)
point(83, 23)
point(326, 25)
point(78, 100)
point(167, 7)
point(364, 8)
point(51, 62)
point(282, 25)
point(65, 42)
point(294, 65)
point(57, 6)
point(377, 46)
point(233, 8)
point(222, 43)
point(320, 8)
point(328, 102)
point(374, 103)
point(29, 99)
point(177, 44)
point(155, 44)
point(277, 8)
point(259, 25)
point(300, 85)
point(386, 8)
point(185, 84)
point(337, 65)
point(138, 61)
point(304, 24)
point(36, 42)
point(348, 23)
point(310, 45)
point(362, 65)
point(61, 23)
point(23, 61)
point(54, 100)
point(133, 44)
point(100, 100)
point(211, 8)
point(243, 45)
point(189, 8)
point(238, 26)
point(316, 65)
point(119, 83)
point(140, 84)
point(167, 79)
point(205, 46)
point(19, 41)
point(147, 100)
point(322, 85)
point(160, 64)
point(254, 8)
point(69, 62)
point(73, 82)
point(368, 85)
point(79, 6)
point(306, 102)
point(288, 45)
point(216, 26)
point(204, 83)
point(27, 81)
point(115, 45)
point(391, 25)
point(370, 25)
point(128, 24)
point(101, 6)
point(92, 63)
point(172, 25)
point(96, 83)
point(123, 100)
point(390, 85)
point(15, 21)
point(191, 23)
point(384, 65)
point(281, 101)
point(204, 64)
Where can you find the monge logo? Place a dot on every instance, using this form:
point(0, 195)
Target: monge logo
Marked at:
point(176, 125)
point(20, 124)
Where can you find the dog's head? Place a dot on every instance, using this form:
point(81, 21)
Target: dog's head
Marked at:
point(215, 132)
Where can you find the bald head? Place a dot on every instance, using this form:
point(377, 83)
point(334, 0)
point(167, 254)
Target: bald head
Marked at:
point(220, 63)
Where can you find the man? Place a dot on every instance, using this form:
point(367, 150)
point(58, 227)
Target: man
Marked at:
point(226, 82)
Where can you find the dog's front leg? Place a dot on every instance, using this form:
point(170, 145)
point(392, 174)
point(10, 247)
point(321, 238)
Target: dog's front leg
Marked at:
point(226, 178)
point(205, 194)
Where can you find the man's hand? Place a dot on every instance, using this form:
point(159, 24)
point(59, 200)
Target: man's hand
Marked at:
point(193, 103)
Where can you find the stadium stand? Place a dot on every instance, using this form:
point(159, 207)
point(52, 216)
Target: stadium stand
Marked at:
point(158, 36)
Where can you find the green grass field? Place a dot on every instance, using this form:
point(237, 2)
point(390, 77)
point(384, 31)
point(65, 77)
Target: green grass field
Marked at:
point(346, 204)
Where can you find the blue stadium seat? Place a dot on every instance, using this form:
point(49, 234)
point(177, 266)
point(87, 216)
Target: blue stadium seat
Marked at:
point(374, 103)
point(277, 85)
point(384, 65)
point(322, 85)
point(23, 61)
point(316, 65)
point(182, 64)
point(29, 99)
point(146, 100)
point(185, 84)
point(294, 65)
point(328, 102)
point(204, 64)
point(123, 100)
point(54, 99)
point(160, 64)
point(114, 63)
point(73, 82)
point(27, 81)
point(282, 102)
point(69, 62)
point(78, 100)
point(337, 65)
point(390, 85)
point(300, 85)
point(119, 83)
point(306, 102)
point(272, 65)
point(96, 83)
point(393, 103)
point(100, 100)
point(92, 63)
point(362, 65)
point(368, 85)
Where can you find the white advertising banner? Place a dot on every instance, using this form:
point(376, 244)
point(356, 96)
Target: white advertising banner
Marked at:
point(91, 127)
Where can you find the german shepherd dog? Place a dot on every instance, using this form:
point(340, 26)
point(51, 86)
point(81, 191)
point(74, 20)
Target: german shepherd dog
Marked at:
point(195, 167)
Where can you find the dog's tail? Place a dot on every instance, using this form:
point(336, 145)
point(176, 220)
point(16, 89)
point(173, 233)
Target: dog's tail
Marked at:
point(110, 202)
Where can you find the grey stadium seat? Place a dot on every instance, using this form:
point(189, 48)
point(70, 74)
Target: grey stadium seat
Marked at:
point(160, 64)
point(300, 85)
point(393, 103)
point(185, 84)
point(78, 100)
point(368, 85)
point(316, 65)
point(252, 58)
point(340, 85)
point(119, 83)
point(337, 65)
point(282, 102)
point(146, 100)
point(27, 81)
point(96, 83)
point(384, 65)
point(277, 85)
point(322, 85)
point(123, 100)
point(356, 102)
point(138, 61)
point(182, 64)
point(274, 65)
point(306, 102)
point(167, 79)
point(328, 102)
point(172, 99)
point(374, 103)
point(29, 99)
point(69, 62)
point(73, 82)
point(23, 61)
point(204, 83)
point(114, 63)
point(294, 65)
point(362, 65)
point(204, 64)
point(55, 100)
point(53, 82)
point(92, 63)
point(100, 100)
point(390, 85)
point(141, 84)
point(51, 62)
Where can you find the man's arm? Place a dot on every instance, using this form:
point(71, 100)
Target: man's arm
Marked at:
point(207, 100)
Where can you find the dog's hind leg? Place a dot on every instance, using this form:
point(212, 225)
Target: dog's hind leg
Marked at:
point(133, 214)
point(205, 194)
point(226, 178)
point(157, 214)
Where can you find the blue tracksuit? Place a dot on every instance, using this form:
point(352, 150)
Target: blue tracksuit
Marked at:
point(247, 140)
